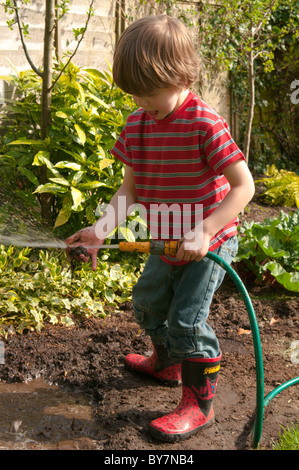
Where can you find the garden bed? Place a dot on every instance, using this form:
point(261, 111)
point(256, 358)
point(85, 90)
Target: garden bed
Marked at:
point(89, 357)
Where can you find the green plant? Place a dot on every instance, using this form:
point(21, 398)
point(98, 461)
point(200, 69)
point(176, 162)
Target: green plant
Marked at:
point(268, 251)
point(88, 112)
point(54, 12)
point(38, 288)
point(288, 439)
point(282, 187)
point(243, 36)
point(278, 144)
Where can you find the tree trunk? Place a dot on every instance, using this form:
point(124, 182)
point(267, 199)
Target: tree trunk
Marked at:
point(57, 33)
point(47, 66)
point(251, 106)
point(46, 199)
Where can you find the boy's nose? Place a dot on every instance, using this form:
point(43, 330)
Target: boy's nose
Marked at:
point(142, 102)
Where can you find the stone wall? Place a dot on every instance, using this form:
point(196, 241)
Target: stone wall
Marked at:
point(96, 48)
point(94, 51)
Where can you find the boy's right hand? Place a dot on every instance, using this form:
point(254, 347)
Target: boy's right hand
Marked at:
point(87, 239)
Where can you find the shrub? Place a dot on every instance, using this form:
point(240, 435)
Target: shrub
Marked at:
point(268, 251)
point(282, 187)
point(38, 288)
point(88, 112)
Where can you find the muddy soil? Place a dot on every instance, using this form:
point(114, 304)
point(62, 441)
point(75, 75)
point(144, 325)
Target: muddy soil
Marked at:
point(87, 360)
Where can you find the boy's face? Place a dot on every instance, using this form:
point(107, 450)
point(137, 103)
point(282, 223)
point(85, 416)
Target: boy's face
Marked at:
point(162, 102)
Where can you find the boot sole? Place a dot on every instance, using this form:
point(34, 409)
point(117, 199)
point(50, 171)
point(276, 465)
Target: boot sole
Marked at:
point(168, 383)
point(166, 437)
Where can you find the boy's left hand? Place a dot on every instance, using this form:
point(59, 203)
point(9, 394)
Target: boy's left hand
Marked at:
point(194, 246)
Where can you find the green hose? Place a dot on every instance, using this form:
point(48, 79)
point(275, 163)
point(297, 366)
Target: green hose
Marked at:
point(258, 425)
point(261, 402)
point(279, 389)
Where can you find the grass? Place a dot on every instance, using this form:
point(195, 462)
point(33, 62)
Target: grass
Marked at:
point(288, 439)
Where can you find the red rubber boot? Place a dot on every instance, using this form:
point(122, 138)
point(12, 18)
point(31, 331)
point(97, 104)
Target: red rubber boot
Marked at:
point(195, 411)
point(158, 365)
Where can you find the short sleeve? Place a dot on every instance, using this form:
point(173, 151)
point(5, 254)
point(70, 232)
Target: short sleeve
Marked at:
point(220, 148)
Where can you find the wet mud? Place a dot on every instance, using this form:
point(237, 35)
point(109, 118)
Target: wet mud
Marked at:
point(67, 388)
point(41, 416)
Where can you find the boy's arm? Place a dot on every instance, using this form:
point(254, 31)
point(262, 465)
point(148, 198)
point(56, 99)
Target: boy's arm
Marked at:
point(241, 192)
point(93, 237)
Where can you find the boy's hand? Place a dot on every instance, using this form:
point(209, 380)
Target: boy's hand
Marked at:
point(85, 238)
point(194, 246)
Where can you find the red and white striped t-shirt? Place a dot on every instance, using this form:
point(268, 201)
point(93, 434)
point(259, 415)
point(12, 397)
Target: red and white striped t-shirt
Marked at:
point(178, 163)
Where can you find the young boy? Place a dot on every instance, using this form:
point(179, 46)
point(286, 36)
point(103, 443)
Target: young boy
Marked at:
point(180, 157)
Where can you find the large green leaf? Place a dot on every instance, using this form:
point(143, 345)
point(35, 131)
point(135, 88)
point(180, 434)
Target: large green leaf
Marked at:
point(61, 114)
point(66, 164)
point(77, 197)
point(63, 216)
point(91, 185)
point(98, 100)
point(62, 181)
point(29, 174)
point(289, 281)
point(273, 246)
point(81, 134)
point(50, 188)
point(43, 158)
point(40, 143)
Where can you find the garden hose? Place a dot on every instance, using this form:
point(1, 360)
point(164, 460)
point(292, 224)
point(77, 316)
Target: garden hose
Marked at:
point(279, 389)
point(261, 402)
point(170, 248)
point(258, 424)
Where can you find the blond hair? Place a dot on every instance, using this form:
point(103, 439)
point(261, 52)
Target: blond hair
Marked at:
point(154, 52)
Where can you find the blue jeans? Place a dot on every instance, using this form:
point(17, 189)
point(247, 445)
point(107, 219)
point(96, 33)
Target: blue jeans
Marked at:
point(172, 303)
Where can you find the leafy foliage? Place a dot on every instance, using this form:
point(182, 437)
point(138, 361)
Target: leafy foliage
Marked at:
point(251, 40)
point(269, 250)
point(282, 187)
point(88, 112)
point(276, 138)
point(38, 288)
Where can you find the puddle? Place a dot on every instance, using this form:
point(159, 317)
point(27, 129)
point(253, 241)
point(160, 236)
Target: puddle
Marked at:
point(37, 415)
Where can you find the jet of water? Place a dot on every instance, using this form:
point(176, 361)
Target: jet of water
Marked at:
point(21, 224)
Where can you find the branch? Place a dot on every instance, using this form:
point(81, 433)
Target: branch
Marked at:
point(259, 53)
point(34, 68)
point(268, 10)
point(274, 36)
point(122, 8)
point(89, 15)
